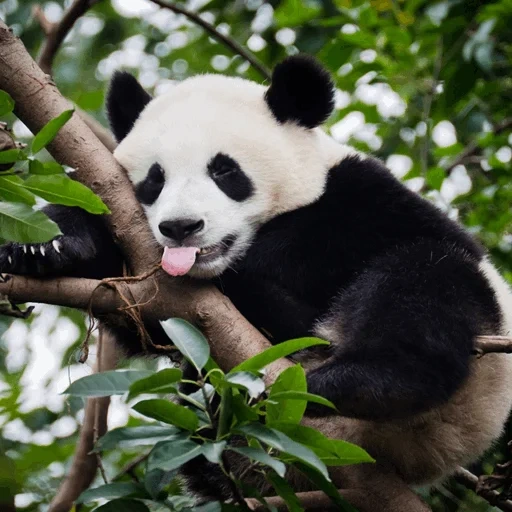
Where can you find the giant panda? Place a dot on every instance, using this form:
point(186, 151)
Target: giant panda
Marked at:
point(243, 187)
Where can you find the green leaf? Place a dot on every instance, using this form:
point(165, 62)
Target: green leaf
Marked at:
point(12, 155)
point(163, 381)
point(155, 480)
point(50, 130)
point(279, 441)
point(189, 340)
point(213, 451)
point(37, 167)
point(253, 384)
point(168, 412)
point(124, 437)
point(11, 189)
point(114, 490)
point(293, 378)
point(170, 455)
point(106, 383)
point(6, 103)
point(19, 223)
point(122, 504)
point(300, 395)
point(275, 352)
point(344, 453)
point(60, 189)
point(285, 490)
point(260, 455)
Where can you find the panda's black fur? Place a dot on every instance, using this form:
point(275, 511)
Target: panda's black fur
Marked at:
point(400, 290)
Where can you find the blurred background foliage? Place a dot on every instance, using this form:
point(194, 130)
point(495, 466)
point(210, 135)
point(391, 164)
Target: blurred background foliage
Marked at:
point(424, 85)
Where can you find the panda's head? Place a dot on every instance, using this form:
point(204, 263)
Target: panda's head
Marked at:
point(215, 157)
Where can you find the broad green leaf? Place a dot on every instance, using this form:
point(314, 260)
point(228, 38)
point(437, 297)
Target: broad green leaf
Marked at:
point(275, 352)
point(300, 395)
point(343, 451)
point(170, 455)
point(213, 451)
point(11, 189)
point(189, 340)
point(328, 487)
point(253, 384)
point(279, 441)
point(12, 155)
point(60, 189)
point(124, 505)
point(106, 383)
point(163, 381)
point(168, 412)
point(285, 490)
point(242, 411)
point(37, 167)
point(260, 455)
point(19, 223)
point(110, 491)
point(50, 130)
point(6, 103)
point(293, 378)
point(146, 435)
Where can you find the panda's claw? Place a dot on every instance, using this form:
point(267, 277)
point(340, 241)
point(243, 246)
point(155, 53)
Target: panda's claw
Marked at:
point(56, 245)
point(32, 249)
point(42, 250)
point(25, 249)
point(9, 259)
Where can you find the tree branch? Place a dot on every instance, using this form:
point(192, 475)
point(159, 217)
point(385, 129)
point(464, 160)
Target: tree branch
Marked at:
point(467, 479)
point(84, 465)
point(55, 35)
point(57, 32)
point(473, 148)
point(222, 38)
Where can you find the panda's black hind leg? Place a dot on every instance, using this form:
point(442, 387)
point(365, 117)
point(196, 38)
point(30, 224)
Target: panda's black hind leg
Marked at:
point(85, 249)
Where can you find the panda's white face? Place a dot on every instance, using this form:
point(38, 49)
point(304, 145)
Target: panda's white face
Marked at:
point(211, 164)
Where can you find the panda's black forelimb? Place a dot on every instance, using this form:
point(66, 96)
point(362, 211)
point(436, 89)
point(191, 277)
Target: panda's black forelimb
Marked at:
point(406, 330)
point(85, 248)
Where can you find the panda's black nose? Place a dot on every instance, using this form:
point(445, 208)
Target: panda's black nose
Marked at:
point(181, 228)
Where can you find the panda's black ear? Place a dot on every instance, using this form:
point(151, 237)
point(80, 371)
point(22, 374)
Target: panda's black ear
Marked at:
point(126, 99)
point(301, 91)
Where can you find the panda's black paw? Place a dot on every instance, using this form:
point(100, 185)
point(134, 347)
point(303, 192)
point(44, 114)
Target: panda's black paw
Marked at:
point(65, 255)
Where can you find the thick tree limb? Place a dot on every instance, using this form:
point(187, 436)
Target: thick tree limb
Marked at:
point(215, 34)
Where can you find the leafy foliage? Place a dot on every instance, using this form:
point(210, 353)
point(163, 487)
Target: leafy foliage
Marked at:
point(200, 426)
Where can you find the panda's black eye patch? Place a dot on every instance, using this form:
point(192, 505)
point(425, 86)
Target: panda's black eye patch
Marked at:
point(148, 190)
point(229, 177)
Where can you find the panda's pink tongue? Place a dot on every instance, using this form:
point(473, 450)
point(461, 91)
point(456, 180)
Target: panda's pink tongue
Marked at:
point(177, 261)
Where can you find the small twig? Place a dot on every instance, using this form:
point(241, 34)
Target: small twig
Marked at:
point(57, 32)
point(424, 150)
point(97, 412)
point(469, 480)
point(493, 344)
point(85, 463)
point(129, 469)
point(473, 148)
point(224, 39)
